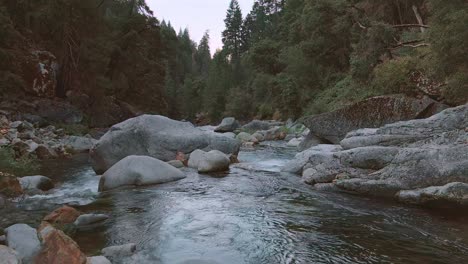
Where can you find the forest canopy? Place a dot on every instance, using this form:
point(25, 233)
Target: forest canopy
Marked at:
point(284, 59)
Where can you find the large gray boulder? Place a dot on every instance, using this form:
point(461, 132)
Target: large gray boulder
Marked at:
point(212, 161)
point(371, 113)
point(408, 132)
point(430, 152)
point(24, 240)
point(455, 193)
point(138, 170)
point(158, 137)
point(37, 182)
point(421, 161)
point(229, 124)
point(310, 140)
point(317, 154)
point(8, 256)
point(414, 168)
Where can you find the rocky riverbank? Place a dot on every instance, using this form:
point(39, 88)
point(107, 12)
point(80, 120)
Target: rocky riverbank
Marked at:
point(422, 161)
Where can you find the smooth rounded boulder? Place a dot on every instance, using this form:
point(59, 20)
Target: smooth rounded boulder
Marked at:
point(24, 240)
point(158, 137)
point(37, 182)
point(90, 219)
point(212, 161)
point(229, 124)
point(138, 170)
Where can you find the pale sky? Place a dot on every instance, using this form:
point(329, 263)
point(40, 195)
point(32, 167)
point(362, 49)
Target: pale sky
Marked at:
point(198, 16)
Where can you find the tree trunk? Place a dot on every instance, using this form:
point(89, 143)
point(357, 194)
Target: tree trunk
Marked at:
point(419, 18)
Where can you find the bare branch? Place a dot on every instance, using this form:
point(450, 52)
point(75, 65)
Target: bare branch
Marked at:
point(410, 25)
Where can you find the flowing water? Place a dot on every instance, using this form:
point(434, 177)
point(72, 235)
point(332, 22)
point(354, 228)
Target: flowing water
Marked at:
point(253, 214)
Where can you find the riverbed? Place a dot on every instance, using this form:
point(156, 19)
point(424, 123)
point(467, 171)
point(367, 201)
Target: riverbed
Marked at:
point(252, 214)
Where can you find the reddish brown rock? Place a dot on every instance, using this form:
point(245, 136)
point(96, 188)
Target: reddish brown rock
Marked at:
point(181, 157)
point(63, 215)
point(58, 248)
point(10, 185)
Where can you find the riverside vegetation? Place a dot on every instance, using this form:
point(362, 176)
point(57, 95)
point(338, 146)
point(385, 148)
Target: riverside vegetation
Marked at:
point(359, 97)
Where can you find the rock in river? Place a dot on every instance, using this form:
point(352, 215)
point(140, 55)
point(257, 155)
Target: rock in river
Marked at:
point(212, 161)
point(119, 251)
point(37, 182)
point(229, 124)
point(8, 256)
point(58, 248)
point(89, 219)
point(158, 137)
point(138, 170)
point(455, 193)
point(23, 239)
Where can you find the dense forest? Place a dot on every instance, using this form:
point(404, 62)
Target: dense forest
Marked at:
point(284, 59)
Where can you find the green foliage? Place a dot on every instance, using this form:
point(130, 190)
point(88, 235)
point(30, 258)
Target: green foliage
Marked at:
point(456, 92)
point(239, 103)
point(393, 77)
point(21, 166)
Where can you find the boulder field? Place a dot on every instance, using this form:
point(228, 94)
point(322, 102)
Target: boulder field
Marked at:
point(421, 161)
point(158, 137)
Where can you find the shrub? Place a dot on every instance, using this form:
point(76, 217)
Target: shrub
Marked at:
point(456, 92)
point(393, 76)
point(20, 167)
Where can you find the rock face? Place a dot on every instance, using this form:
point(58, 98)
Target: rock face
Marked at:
point(212, 161)
point(8, 256)
point(412, 131)
point(421, 161)
point(58, 248)
point(229, 124)
point(371, 113)
point(36, 183)
point(158, 137)
point(138, 170)
point(455, 193)
point(23, 239)
point(42, 74)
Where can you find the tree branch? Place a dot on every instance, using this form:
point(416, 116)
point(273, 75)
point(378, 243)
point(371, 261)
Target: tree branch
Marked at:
point(410, 25)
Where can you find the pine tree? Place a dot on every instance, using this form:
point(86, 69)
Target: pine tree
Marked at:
point(203, 56)
point(232, 35)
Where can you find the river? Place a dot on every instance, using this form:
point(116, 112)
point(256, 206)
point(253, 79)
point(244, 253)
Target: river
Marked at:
point(253, 214)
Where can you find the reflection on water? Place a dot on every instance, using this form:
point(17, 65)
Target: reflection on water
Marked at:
point(255, 214)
